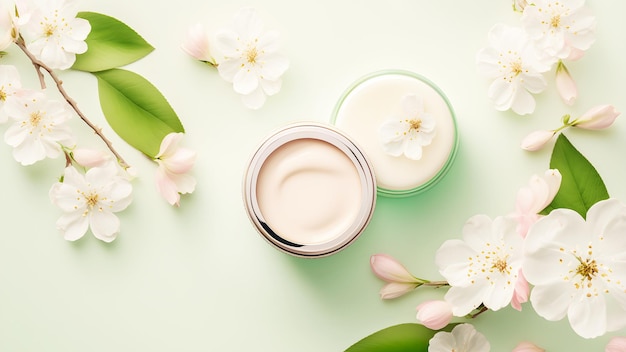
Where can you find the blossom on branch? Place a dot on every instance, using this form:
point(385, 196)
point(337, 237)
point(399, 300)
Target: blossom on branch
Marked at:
point(52, 32)
point(39, 129)
point(90, 201)
point(10, 84)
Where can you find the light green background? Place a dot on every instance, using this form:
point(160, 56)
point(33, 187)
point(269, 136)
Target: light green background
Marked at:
point(199, 278)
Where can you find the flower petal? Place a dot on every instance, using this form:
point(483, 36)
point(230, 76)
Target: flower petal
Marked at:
point(104, 225)
point(389, 269)
point(245, 81)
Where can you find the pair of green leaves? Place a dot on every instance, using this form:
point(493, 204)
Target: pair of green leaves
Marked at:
point(581, 187)
point(133, 107)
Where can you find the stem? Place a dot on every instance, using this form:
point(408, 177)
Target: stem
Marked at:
point(436, 284)
point(38, 66)
point(481, 311)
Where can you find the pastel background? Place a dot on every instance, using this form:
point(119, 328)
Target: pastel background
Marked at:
point(199, 277)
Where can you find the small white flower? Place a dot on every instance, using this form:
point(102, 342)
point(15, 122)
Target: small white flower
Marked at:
point(251, 61)
point(175, 163)
point(196, 44)
point(10, 84)
point(90, 201)
point(91, 157)
point(513, 65)
point(463, 338)
point(409, 133)
point(562, 29)
point(8, 31)
point(578, 267)
point(52, 32)
point(40, 128)
point(482, 268)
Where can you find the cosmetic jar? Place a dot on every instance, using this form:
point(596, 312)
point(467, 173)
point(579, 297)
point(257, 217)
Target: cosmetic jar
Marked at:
point(309, 190)
point(370, 101)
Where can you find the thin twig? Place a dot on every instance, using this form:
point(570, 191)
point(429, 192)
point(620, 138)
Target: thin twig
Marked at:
point(38, 66)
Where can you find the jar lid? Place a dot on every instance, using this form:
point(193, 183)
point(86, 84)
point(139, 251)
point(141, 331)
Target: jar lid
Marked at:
point(309, 190)
point(387, 97)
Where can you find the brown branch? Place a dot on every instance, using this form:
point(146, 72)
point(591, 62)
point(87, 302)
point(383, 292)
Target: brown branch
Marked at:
point(40, 65)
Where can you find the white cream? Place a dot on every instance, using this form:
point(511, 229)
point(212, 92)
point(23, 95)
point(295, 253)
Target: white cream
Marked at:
point(371, 103)
point(308, 191)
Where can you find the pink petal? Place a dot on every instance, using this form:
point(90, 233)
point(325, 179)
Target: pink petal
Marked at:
point(597, 118)
point(389, 269)
point(434, 314)
point(526, 346)
point(565, 84)
point(536, 140)
point(396, 289)
point(616, 344)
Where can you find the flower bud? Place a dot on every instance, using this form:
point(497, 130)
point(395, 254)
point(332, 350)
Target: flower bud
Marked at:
point(536, 140)
point(90, 157)
point(565, 84)
point(519, 5)
point(597, 118)
point(196, 44)
point(616, 344)
point(396, 289)
point(526, 346)
point(434, 315)
point(389, 269)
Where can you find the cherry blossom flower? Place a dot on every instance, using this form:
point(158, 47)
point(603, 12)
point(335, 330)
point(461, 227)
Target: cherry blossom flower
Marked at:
point(8, 31)
point(10, 84)
point(483, 267)
point(565, 84)
point(40, 128)
point(512, 63)
point(251, 61)
point(409, 133)
point(596, 118)
point(172, 177)
point(534, 197)
point(196, 44)
point(562, 29)
point(463, 338)
point(52, 31)
point(434, 314)
point(537, 139)
point(578, 267)
point(526, 346)
point(90, 201)
point(616, 344)
point(399, 280)
point(521, 292)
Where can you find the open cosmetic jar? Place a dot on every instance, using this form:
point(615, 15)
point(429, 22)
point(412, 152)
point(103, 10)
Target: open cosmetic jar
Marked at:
point(391, 95)
point(309, 190)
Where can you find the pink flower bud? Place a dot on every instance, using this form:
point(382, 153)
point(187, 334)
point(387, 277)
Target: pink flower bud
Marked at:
point(521, 292)
point(196, 44)
point(527, 347)
point(536, 140)
point(565, 84)
point(396, 289)
point(597, 118)
point(434, 315)
point(389, 269)
point(616, 344)
point(90, 157)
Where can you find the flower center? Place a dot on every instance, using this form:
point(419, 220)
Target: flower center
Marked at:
point(555, 21)
point(415, 124)
point(92, 199)
point(3, 95)
point(35, 118)
point(516, 67)
point(587, 269)
point(501, 265)
point(251, 55)
point(48, 29)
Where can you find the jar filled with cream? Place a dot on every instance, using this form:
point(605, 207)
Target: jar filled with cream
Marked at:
point(405, 125)
point(309, 190)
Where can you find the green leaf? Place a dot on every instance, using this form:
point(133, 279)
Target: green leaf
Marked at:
point(581, 185)
point(136, 110)
point(397, 338)
point(110, 43)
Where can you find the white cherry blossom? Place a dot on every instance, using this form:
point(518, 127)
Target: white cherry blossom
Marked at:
point(562, 29)
point(250, 58)
point(52, 31)
point(90, 201)
point(10, 84)
point(8, 31)
point(39, 129)
point(463, 338)
point(511, 61)
point(482, 268)
point(408, 133)
point(578, 267)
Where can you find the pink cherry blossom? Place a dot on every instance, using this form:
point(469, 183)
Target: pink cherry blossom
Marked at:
point(534, 197)
point(434, 314)
point(616, 344)
point(565, 84)
point(399, 280)
point(536, 140)
point(598, 117)
point(172, 177)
